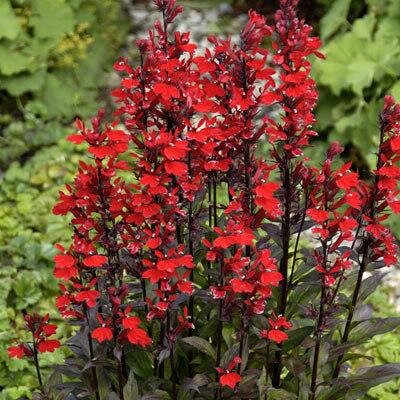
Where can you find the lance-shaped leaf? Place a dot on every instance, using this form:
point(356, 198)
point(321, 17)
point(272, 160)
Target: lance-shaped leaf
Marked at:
point(131, 390)
point(356, 386)
point(375, 326)
point(195, 383)
point(201, 345)
point(296, 336)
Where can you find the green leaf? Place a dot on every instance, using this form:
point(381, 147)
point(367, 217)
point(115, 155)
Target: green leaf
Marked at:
point(375, 326)
point(360, 74)
point(141, 362)
point(229, 355)
point(58, 97)
point(355, 387)
point(16, 85)
point(363, 28)
point(360, 127)
point(227, 333)
point(334, 18)
point(13, 61)
point(9, 24)
point(203, 4)
point(395, 91)
point(131, 390)
point(279, 394)
point(355, 59)
point(157, 395)
point(296, 336)
point(262, 383)
point(51, 18)
point(201, 345)
point(195, 383)
point(370, 284)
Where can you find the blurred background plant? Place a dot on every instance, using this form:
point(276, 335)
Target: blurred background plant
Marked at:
point(54, 58)
point(55, 64)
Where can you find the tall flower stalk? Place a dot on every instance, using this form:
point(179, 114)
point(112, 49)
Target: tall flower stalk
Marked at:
point(186, 273)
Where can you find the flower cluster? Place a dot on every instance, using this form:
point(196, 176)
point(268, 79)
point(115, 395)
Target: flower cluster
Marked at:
point(41, 331)
point(187, 234)
point(334, 205)
point(383, 192)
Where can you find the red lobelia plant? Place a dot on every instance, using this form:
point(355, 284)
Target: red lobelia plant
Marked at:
point(203, 266)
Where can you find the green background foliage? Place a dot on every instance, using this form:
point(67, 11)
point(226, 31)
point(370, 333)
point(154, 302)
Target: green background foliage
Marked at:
point(54, 56)
point(362, 65)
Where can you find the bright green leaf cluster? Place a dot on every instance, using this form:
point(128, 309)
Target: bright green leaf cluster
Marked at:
point(363, 64)
point(53, 56)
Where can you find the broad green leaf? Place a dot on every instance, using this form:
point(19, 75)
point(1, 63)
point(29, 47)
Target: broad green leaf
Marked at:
point(18, 84)
point(363, 27)
point(9, 24)
point(58, 96)
point(360, 127)
point(360, 74)
point(201, 345)
point(51, 18)
point(388, 28)
point(334, 18)
point(13, 61)
point(355, 59)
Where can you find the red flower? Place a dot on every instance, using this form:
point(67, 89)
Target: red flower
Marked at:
point(177, 151)
point(230, 379)
point(218, 292)
point(139, 336)
point(48, 345)
point(65, 267)
point(154, 275)
point(275, 335)
point(95, 261)
point(49, 329)
point(266, 198)
point(131, 322)
point(77, 139)
point(16, 351)
point(241, 238)
point(166, 91)
point(347, 181)
point(102, 334)
point(88, 296)
point(241, 286)
point(319, 216)
point(176, 168)
point(271, 278)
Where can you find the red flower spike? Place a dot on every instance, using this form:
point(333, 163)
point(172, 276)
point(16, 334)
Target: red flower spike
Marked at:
point(187, 125)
